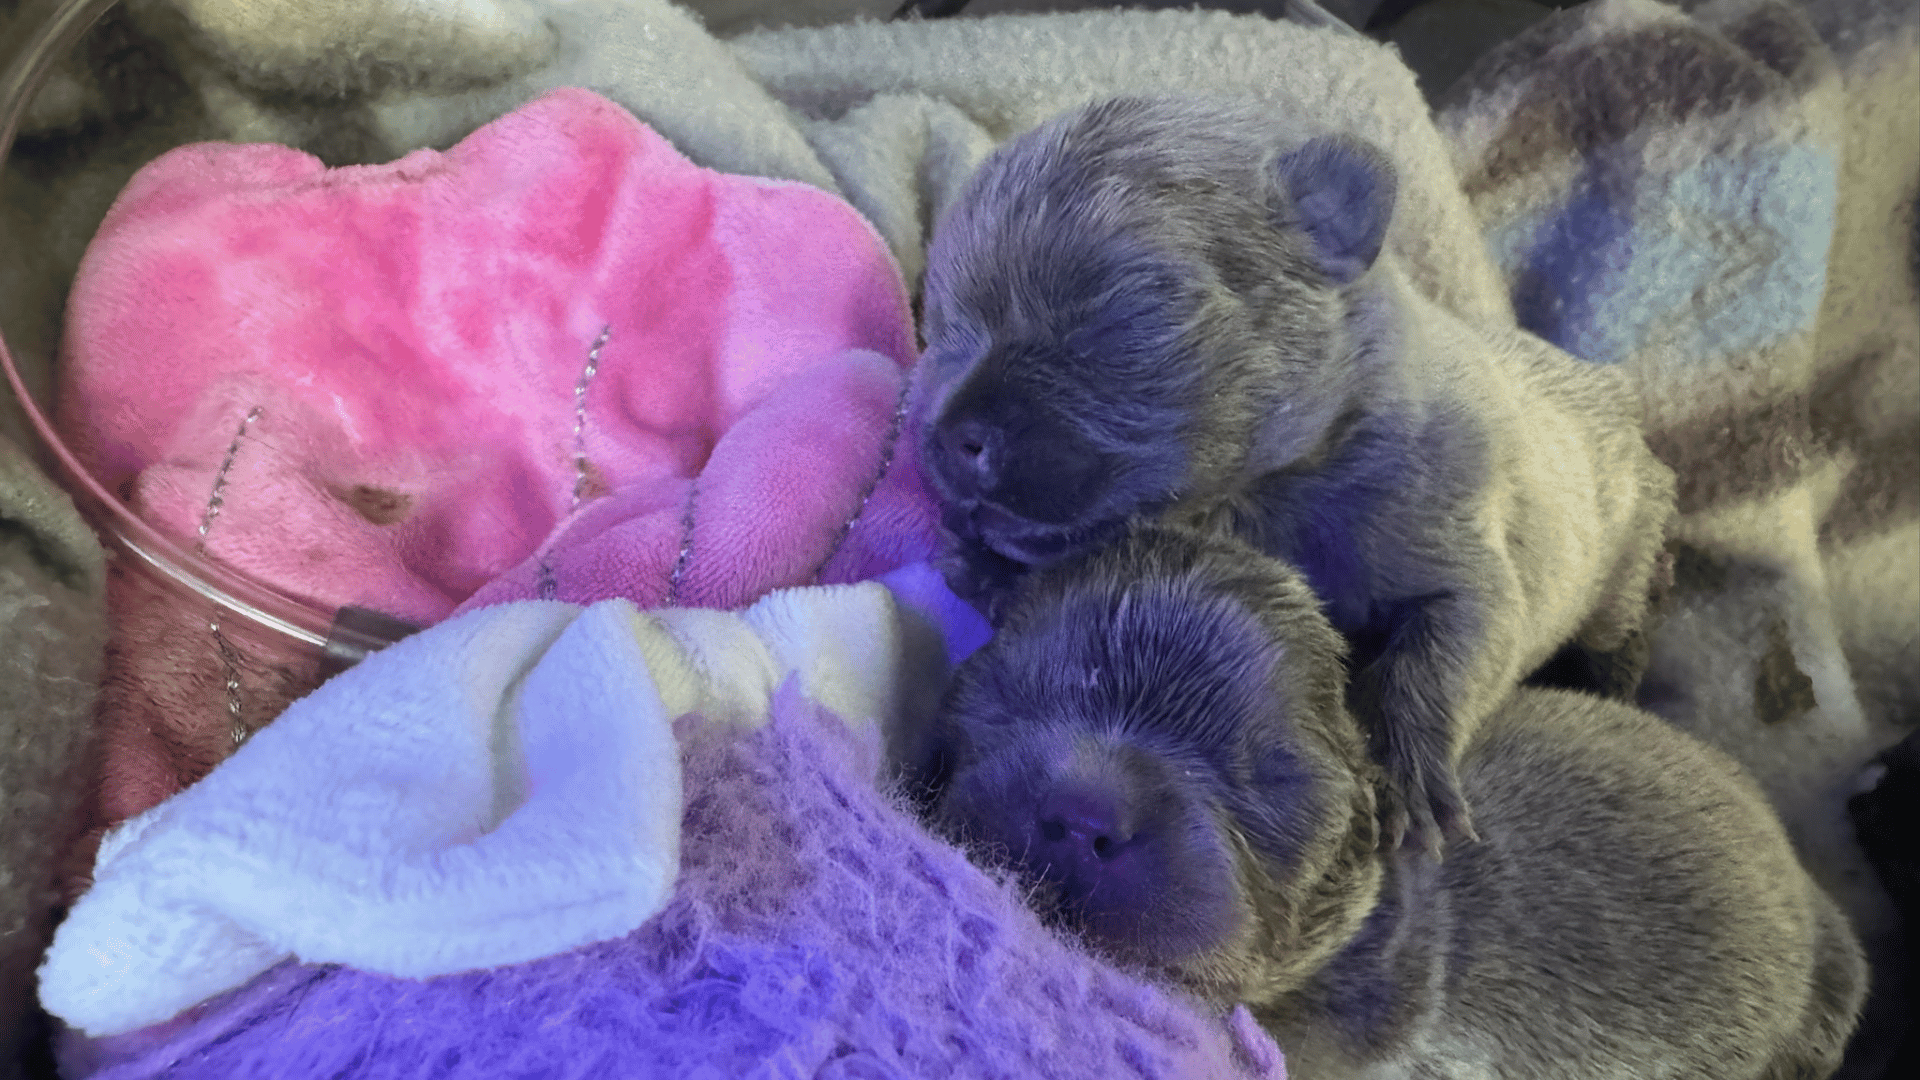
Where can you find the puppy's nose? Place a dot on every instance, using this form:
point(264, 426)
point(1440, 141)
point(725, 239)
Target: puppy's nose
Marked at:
point(971, 449)
point(1081, 834)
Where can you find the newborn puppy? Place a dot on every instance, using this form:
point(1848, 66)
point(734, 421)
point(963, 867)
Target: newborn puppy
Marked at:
point(1154, 307)
point(1156, 737)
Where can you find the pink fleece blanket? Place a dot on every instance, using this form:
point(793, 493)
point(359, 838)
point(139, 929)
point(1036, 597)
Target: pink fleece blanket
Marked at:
point(557, 360)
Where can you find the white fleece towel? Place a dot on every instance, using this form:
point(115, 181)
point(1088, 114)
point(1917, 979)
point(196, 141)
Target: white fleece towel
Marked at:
point(501, 787)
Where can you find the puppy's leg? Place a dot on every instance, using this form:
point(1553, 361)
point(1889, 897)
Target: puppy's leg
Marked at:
point(1421, 698)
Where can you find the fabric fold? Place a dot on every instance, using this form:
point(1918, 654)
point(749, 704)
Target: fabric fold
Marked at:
point(501, 787)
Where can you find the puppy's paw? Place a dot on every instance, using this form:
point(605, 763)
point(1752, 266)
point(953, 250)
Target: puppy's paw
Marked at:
point(961, 575)
point(1395, 822)
point(1421, 808)
point(977, 574)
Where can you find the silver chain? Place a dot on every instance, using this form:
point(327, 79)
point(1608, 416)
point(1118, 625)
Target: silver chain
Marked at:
point(548, 585)
point(237, 729)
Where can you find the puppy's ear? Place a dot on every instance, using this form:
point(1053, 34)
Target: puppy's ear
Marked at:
point(1340, 192)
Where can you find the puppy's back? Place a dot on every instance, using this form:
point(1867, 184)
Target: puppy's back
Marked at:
point(1634, 910)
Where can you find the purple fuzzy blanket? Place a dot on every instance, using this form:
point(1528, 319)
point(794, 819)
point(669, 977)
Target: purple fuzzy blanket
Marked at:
point(791, 864)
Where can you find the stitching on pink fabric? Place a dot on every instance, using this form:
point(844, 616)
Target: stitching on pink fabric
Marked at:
point(548, 585)
point(580, 416)
point(686, 546)
point(887, 452)
point(229, 659)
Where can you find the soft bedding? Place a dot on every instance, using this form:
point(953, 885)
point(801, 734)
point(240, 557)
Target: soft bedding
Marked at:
point(1719, 197)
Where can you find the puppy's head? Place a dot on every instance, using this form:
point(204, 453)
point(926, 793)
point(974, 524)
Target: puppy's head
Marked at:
point(1113, 307)
point(1156, 739)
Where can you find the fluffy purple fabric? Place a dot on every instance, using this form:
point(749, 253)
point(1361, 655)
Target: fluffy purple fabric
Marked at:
point(817, 931)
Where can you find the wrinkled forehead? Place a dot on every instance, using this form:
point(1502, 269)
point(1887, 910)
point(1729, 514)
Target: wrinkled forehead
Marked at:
point(1157, 658)
point(1061, 259)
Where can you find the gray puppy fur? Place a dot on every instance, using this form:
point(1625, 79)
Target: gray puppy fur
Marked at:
point(1155, 307)
point(1157, 738)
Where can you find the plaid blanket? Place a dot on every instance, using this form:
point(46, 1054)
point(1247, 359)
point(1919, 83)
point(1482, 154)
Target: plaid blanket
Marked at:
point(1721, 202)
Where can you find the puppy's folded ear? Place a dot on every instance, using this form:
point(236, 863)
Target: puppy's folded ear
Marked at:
point(1340, 192)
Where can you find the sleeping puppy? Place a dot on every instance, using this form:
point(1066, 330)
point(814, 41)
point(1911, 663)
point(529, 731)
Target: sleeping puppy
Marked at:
point(1153, 307)
point(1157, 739)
